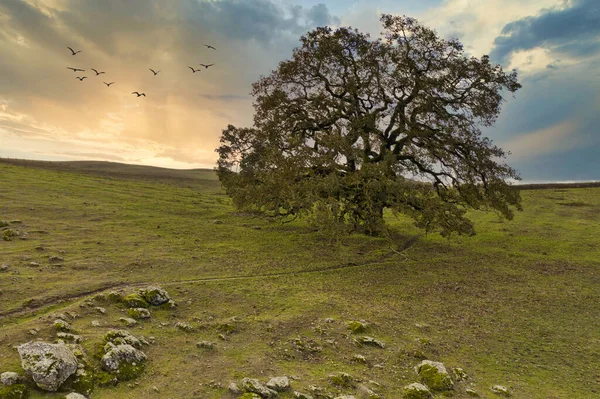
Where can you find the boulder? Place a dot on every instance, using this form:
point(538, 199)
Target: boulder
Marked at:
point(48, 364)
point(155, 295)
point(136, 301)
point(119, 337)
point(279, 384)
point(234, 389)
point(500, 390)
point(75, 395)
point(416, 391)
point(9, 378)
point(129, 322)
point(434, 375)
point(254, 386)
point(124, 361)
point(139, 313)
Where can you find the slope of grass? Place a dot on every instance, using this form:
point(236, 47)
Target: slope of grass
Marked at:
point(516, 305)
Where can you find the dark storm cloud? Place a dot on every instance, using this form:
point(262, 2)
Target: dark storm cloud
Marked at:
point(573, 31)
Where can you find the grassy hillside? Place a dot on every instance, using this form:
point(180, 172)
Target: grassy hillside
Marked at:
point(516, 305)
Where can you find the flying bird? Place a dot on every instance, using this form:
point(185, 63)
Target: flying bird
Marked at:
point(209, 46)
point(194, 70)
point(76, 69)
point(81, 79)
point(108, 84)
point(155, 73)
point(139, 94)
point(97, 73)
point(73, 52)
point(206, 66)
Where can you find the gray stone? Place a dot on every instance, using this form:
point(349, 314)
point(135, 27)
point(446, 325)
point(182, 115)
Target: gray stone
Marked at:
point(75, 395)
point(500, 390)
point(61, 325)
point(279, 384)
point(369, 341)
point(300, 395)
point(139, 313)
point(9, 378)
point(205, 345)
point(253, 385)
point(48, 364)
point(434, 375)
point(155, 295)
point(416, 391)
point(69, 337)
point(119, 337)
point(96, 323)
point(129, 322)
point(472, 392)
point(4, 267)
point(234, 389)
point(118, 357)
point(100, 309)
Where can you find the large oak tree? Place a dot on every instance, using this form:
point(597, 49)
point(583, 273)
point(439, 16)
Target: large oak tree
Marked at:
point(350, 126)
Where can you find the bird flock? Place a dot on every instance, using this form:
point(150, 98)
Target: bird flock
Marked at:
point(154, 72)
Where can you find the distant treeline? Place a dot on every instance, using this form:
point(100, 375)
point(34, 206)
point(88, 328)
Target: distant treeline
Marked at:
point(545, 186)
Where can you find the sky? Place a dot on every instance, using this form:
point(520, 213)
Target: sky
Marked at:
point(551, 126)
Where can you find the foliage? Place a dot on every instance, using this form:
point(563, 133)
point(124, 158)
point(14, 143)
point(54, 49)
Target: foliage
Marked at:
point(349, 126)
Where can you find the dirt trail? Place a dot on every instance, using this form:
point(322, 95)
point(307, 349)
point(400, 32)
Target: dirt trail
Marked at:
point(39, 304)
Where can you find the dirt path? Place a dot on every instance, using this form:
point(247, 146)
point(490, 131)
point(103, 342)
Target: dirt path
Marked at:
point(39, 304)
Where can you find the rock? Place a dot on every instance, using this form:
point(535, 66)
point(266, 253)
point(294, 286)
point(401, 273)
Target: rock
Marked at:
point(365, 392)
point(227, 328)
point(216, 221)
point(416, 391)
point(434, 375)
point(48, 364)
point(34, 264)
point(205, 345)
point(55, 259)
point(319, 393)
point(184, 326)
point(100, 309)
point(4, 267)
point(75, 395)
point(115, 296)
point(472, 393)
point(359, 359)
point(15, 391)
point(233, 388)
point(358, 327)
point(129, 322)
point(61, 325)
point(96, 323)
point(120, 337)
point(253, 385)
point(124, 361)
point(329, 320)
point(279, 384)
point(155, 389)
point(300, 395)
point(500, 390)
point(345, 397)
point(136, 301)
point(250, 395)
point(9, 378)
point(369, 341)
point(33, 332)
point(155, 295)
point(344, 380)
point(139, 313)
point(69, 337)
point(459, 374)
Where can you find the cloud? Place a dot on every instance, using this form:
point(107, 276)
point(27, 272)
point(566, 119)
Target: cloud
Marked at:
point(543, 141)
point(573, 31)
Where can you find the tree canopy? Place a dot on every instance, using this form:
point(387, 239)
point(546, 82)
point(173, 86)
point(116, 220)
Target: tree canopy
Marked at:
point(350, 126)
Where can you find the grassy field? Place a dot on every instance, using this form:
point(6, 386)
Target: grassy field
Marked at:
point(516, 305)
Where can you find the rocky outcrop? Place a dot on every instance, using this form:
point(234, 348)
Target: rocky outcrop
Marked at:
point(124, 361)
point(48, 364)
point(434, 375)
point(155, 295)
point(254, 386)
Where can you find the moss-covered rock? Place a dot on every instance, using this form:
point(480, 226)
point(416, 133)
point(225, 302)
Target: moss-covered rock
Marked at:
point(48, 364)
point(343, 380)
point(434, 375)
point(139, 313)
point(500, 390)
point(82, 382)
point(184, 326)
point(227, 328)
point(136, 300)
point(358, 327)
point(15, 391)
point(368, 341)
point(124, 361)
point(254, 386)
point(61, 325)
point(155, 295)
point(10, 378)
point(250, 395)
point(416, 391)
point(115, 296)
point(119, 337)
point(74, 395)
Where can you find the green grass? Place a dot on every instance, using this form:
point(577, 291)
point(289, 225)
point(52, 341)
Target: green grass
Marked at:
point(516, 305)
